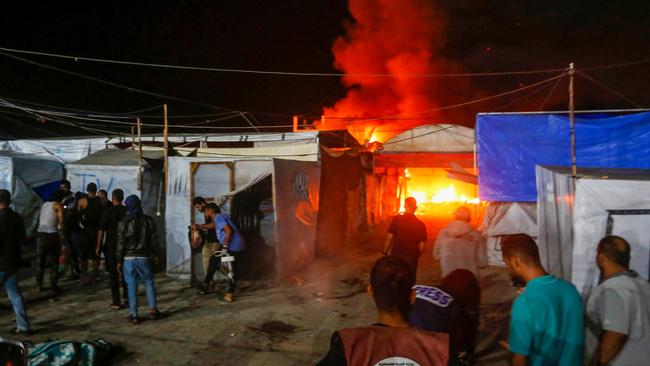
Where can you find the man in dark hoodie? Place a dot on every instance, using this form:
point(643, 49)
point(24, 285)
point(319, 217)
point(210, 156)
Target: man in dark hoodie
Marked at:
point(459, 246)
point(12, 236)
point(137, 241)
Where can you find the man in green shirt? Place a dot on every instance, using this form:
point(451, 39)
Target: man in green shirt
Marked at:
point(546, 323)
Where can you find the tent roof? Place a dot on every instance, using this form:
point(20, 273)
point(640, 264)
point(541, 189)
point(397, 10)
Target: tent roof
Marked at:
point(604, 173)
point(445, 138)
point(119, 157)
point(18, 155)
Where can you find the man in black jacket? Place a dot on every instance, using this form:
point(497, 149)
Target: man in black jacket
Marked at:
point(12, 236)
point(137, 240)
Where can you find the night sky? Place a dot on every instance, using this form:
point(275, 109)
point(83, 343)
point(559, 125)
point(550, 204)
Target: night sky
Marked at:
point(293, 35)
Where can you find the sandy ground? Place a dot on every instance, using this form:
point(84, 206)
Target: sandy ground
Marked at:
point(285, 324)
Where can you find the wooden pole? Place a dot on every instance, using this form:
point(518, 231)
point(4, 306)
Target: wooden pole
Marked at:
point(166, 146)
point(133, 137)
point(574, 169)
point(139, 126)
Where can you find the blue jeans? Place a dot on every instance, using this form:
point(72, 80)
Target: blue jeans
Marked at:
point(135, 271)
point(16, 297)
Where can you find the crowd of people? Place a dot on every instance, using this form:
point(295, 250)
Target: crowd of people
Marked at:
point(75, 231)
point(549, 322)
point(417, 324)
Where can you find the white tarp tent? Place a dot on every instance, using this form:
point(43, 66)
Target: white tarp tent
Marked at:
point(113, 168)
point(30, 179)
point(442, 138)
point(221, 177)
point(606, 201)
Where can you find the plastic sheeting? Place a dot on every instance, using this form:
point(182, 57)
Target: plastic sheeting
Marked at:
point(65, 150)
point(296, 199)
point(25, 175)
point(510, 145)
point(441, 138)
point(594, 198)
point(181, 186)
point(554, 220)
point(507, 218)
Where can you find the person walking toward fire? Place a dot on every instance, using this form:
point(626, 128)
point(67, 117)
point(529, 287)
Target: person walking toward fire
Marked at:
point(459, 246)
point(406, 236)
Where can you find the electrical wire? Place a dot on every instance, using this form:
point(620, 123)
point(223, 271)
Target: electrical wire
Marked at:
point(292, 73)
point(117, 85)
point(268, 72)
point(618, 94)
point(479, 100)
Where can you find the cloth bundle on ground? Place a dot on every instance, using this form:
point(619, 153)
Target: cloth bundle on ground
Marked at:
point(69, 353)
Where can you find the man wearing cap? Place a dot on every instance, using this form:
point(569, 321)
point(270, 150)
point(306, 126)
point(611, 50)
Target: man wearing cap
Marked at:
point(12, 237)
point(459, 246)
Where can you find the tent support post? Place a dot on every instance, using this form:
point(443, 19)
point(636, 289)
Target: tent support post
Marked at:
point(139, 126)
point(574, 170)
point(166, 147)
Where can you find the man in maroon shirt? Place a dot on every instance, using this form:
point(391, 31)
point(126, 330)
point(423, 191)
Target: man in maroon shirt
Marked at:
point(406, 236)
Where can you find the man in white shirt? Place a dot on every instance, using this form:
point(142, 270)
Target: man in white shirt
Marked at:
point(618, 310)
point(459, 246)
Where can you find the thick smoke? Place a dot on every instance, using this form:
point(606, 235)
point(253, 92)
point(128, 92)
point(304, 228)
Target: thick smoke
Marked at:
point(396, 37)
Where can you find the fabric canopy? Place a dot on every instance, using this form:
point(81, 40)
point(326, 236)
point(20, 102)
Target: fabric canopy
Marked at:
point(510, 145)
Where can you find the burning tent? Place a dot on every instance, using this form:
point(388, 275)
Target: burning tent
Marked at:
point(433, 163)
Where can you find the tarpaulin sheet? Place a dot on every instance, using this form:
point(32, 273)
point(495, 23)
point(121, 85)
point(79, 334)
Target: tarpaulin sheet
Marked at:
point(25, 176)
point(213, 182)
point(296, 186)
point(510, 145)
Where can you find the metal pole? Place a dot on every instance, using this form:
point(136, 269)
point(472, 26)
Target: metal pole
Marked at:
point(574, 169)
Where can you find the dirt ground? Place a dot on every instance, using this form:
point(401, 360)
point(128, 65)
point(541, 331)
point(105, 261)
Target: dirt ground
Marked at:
point(285, 324)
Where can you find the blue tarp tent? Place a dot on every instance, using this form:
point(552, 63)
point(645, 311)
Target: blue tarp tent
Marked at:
point(511, 145)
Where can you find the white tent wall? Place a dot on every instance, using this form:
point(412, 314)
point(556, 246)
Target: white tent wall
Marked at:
point(507, 218)
point(555, 226)
point(181, 184)
point(593, 199)
point(107, 177)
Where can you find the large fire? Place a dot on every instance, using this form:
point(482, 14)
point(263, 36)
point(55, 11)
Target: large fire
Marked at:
point(435, 193)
